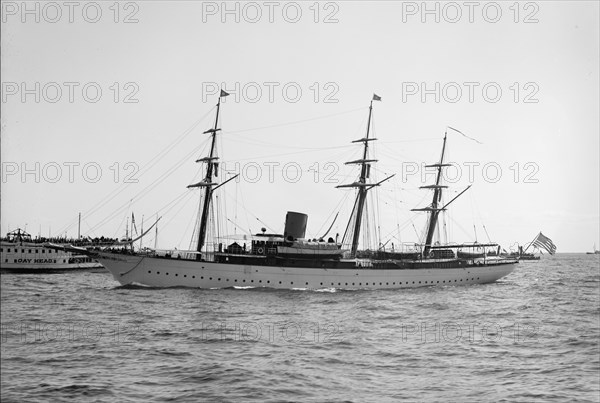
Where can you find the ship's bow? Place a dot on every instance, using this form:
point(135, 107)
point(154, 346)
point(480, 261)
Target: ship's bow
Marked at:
point(120, 265)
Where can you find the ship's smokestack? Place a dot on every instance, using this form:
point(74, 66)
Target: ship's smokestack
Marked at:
point(295, 225)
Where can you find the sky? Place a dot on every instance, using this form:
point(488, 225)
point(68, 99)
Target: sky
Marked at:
point(104, 105)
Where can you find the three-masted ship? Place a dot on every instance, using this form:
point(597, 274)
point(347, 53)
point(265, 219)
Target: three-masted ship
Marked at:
point(290, 261)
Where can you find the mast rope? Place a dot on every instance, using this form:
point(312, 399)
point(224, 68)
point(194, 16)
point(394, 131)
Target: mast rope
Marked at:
point(236, 132)
point(148, 188)
point(151, 163)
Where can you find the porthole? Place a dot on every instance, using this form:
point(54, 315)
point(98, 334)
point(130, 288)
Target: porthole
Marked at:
point(157, 272)
point(149, 271)
point(280, 282)
point(219, 279)
point(185, 275)
point(210, 278)
point(201, 277)
point(176, 275)
point(193, 276)
point(260, 281)
point(252, 281)
point(268, 281)
point(306, 283)
point(387, 283)
point(167, 274)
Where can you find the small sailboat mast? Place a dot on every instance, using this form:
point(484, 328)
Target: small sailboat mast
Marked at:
point(156, 234)
point(127, 228)
point(142, 231)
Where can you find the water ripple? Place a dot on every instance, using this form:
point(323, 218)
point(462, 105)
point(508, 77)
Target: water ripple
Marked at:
point(533, 336)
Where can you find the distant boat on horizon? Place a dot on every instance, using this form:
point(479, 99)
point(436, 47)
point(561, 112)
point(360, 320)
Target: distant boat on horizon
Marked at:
point(595, 251)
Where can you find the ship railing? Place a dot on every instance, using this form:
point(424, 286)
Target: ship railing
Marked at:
point(402, 247)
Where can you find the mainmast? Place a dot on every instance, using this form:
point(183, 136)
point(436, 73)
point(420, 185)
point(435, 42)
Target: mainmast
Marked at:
point(207, 182)
point(361, 184)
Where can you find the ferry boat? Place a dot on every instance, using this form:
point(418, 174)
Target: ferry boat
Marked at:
point(289, 261)
point(19, 253)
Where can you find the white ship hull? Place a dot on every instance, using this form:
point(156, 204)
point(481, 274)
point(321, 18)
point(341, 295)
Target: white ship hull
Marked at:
point(158, 272)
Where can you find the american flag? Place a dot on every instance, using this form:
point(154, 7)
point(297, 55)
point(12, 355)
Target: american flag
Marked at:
point(542, 241)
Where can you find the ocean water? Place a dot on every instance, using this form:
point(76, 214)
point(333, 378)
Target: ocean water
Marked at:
point(532, 336)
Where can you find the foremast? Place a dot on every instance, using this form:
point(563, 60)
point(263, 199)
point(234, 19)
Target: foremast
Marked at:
point(363, 187)
point(207, 183)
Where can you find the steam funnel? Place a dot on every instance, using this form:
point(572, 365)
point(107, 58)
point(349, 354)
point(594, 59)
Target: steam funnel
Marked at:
point(295, 225)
